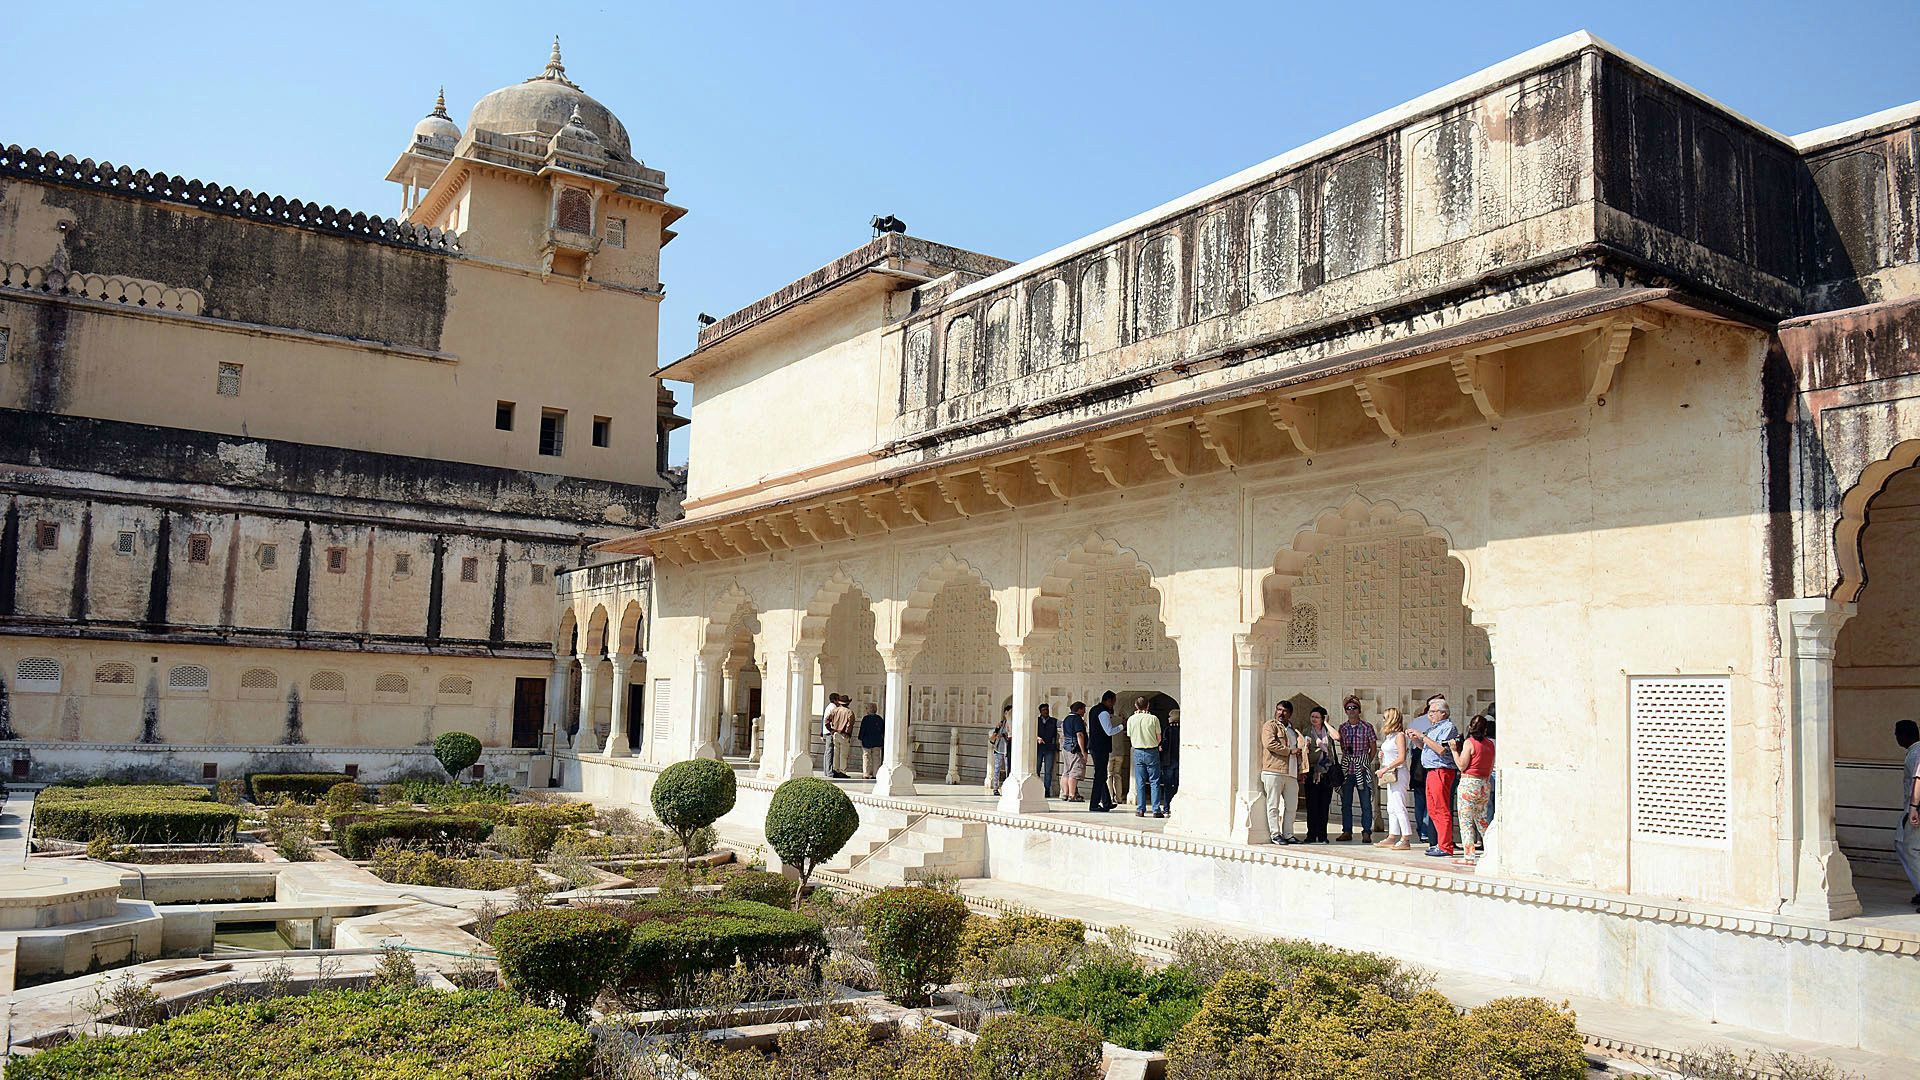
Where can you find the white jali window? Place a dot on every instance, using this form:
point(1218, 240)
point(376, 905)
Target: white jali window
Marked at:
point(1681, 732)
point(37, 675)
point(189, 678)
point(662, 701)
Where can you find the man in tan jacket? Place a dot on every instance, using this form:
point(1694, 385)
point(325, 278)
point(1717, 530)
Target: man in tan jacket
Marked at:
point(1280, 765)
point(839, 730)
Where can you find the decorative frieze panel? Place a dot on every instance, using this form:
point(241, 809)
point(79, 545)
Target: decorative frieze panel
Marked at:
point(1111, 625)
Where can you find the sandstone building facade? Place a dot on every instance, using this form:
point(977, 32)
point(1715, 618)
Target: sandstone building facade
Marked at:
point(1562, 387)
point(283, 482)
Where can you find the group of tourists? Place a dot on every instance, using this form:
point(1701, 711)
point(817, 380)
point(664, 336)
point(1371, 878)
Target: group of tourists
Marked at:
point(1437, 779)
point(839, 734)
point(1141, 751)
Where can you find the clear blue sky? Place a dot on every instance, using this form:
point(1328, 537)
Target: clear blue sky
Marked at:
point(1007, 128)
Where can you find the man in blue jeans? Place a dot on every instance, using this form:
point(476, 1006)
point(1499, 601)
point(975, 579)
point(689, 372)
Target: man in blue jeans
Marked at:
point(1358, 745)
point(1143, 730)
point(1049, 731)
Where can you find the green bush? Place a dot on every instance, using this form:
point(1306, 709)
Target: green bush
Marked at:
point(564, 956)
point(395, 1035)
point(268, 788)
point(1129, 1006)
point(1016, 1047)
point(773, 890)
point(1209, 955)
point(457, 752)
point(674, 941)
point(808, 822)
point(345, 796)
point(986, 935)
point(913, 938)
point(440, 791)
point(690, 795)
point(403, 865)
point(1330, 1026)
point(135, 814)
point(363, 833)
point(836, 1048)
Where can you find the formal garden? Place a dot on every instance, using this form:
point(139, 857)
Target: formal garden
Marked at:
point(556, 940)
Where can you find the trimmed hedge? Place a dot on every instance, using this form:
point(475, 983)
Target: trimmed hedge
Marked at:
point(808, 821)
point(456, 751)
point(560, 955)
point(135, 814)
point(675, 940)
point(761, 887)
point(265, 788)
point(985, 935)
point(392, 1034)
point(363, 833)
point(1017, 1047)
point(913, 937)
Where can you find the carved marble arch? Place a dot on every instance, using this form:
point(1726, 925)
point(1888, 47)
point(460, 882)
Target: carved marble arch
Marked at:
point(1356, 512)
point(732, 612)
point(630, 632)
point(1053, 595)
point(593, 639)
point(563, 634)
point(1855, 508)
point(819, 612)
point(916, 614)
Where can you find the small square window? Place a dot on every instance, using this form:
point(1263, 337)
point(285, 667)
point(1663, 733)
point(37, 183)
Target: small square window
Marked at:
point(553, 432)
point(269, 556)
point(46, 535)
point(336, 560)
point(503, 415)
point(617, 232)
point(539, 574)
point(470, 569)
point(229, 385)
point(602, 430)
point(402, 564)
point(209, 770)
point(123, 544)
point(199, 548)
point(352, 771)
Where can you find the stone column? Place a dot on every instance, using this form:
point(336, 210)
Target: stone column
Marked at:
point(557, 699)
point(953, 754)
point(1022, 793)
point(1249, 713)
point(585, 740)
point(756, 739)
point(701, 737)
point(1816, 878)
point(896, 765)
point(729, 705)
point(618, 745)
point(796, 758)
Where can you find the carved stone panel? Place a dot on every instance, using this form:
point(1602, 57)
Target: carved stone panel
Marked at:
point(1212, 273)
point(919, 381)
point(1157, 286)
point(1047, 318)
point(1100, 305)
point(1273, 245)
point(997, 363)
point(1446, 173)
point(1354, 220)
point(958, 359)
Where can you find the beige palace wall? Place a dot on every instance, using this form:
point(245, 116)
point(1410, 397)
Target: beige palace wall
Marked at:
point(1593, 553)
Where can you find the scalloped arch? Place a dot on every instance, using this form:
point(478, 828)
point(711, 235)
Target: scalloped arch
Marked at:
point(1276, 589)
point(819, 610)
point(1855, 506)
point(919, 603)
point(1096, 552)
point(733, 604)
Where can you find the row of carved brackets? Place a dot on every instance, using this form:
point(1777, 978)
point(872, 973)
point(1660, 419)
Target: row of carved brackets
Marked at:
point(1208, 439)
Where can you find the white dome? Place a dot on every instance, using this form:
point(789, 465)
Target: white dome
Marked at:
point(438, 129)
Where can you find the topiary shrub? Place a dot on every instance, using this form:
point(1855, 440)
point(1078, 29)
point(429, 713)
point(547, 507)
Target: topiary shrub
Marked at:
point(562, 956)
point(362, 834)
point(761, 887)
point(913, 936)
point(985, 935)
point(1017, 1047)
point(691, 795)
point(808, 822)
point(135, 814)
point(673, 941)
point(269, 788)
point(394, 1034)
point(457, 751)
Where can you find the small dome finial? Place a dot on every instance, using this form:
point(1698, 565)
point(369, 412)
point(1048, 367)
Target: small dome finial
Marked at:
point(440, 104)
point(556, 69)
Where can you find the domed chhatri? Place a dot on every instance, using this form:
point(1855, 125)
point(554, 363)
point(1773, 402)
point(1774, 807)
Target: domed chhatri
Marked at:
point(552, 99)
point(438, 129)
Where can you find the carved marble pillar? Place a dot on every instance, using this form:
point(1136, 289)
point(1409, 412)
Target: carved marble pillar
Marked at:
point(1022, 792)
point(797, 761)
point(586, 740)
point(953, 754)
point(557, 684)
point(1816, 878)
point(756, 739)
point(896, 766)
point(618, 744)
point(729, 704)
point(1249, 713)
point(702, 735)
